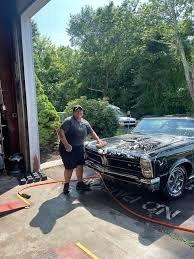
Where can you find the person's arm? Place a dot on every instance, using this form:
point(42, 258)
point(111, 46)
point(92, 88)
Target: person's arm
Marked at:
point(100, 143)
point(63, 140)
point(95, 136)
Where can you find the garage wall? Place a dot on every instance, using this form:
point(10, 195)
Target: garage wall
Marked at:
point(26, 10)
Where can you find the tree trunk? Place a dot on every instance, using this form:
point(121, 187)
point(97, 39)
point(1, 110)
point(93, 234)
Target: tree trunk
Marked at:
point(192, 78)
point(189, 75)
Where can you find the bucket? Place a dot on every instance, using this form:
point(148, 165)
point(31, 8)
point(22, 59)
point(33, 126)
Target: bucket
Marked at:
point(16, 164)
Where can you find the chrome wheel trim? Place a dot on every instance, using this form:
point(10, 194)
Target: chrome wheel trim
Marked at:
point(175, 181)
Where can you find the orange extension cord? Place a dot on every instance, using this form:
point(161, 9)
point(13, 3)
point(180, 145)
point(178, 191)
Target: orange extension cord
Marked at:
point(129, 211)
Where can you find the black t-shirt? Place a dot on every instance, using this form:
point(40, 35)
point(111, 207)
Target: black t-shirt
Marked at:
point(76, 131)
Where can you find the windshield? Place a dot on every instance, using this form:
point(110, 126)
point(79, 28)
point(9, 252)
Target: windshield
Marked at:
point(171, 126)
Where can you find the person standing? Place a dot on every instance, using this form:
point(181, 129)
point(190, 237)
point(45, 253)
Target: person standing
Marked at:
point(72, 134)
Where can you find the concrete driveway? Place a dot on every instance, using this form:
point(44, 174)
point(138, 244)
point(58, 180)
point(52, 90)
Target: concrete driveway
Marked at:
point(93, 219)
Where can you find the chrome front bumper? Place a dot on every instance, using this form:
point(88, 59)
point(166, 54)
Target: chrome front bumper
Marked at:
point(151, 184)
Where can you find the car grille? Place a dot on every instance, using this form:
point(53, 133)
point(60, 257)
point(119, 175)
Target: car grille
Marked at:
point(94, 157)
point(127, 122)
point(128, 166)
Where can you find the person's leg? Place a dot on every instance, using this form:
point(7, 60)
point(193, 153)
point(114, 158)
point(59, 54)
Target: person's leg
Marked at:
point(81, 186)
point(79, 155)
point(79, 173)
point(67, 176)
point(79, 151)
point(67, 161)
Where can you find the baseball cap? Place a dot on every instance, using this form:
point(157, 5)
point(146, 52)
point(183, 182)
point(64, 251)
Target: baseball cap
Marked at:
point(77, 108)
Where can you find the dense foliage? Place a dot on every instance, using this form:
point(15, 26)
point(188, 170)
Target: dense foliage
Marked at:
point(138, 56)
point(101, 117)
point(57, 69)
point(48, 119)
point(129, 54)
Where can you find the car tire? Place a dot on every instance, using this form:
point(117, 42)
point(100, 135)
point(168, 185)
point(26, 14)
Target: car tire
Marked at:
point(175, 184)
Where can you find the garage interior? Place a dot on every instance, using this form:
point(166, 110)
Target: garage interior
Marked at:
point(11, 99)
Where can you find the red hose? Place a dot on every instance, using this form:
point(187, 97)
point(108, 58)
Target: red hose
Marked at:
point(50, 182)
point(129, 211)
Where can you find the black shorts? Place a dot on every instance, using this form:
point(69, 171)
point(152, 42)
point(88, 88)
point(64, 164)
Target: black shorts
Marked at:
point(74, 158)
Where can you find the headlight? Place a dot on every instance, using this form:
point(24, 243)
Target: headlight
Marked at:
point(146, 167)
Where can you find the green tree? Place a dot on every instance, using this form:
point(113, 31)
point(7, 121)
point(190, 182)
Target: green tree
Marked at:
point(178, 14)
point(57, 69)
point(125, 57)
point(48, 119)
point(94, 32)
point(160, 76)
point(128, 54)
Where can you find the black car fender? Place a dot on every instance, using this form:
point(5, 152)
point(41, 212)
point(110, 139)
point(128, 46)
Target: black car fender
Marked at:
point(183, 161)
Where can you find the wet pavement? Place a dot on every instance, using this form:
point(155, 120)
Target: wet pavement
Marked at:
point(179, 211)
point(94, 219)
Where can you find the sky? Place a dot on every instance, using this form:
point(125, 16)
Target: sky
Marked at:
point(53, 18)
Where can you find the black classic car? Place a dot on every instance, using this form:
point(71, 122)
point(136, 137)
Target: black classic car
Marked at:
point(158, 155)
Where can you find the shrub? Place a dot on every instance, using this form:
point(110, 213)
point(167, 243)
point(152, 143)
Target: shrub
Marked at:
point(48, 119)
point(101, 117)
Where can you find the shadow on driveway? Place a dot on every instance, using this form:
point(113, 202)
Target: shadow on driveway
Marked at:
point(51, 210)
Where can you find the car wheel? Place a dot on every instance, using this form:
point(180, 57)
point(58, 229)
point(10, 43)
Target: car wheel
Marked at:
point(175, 184)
